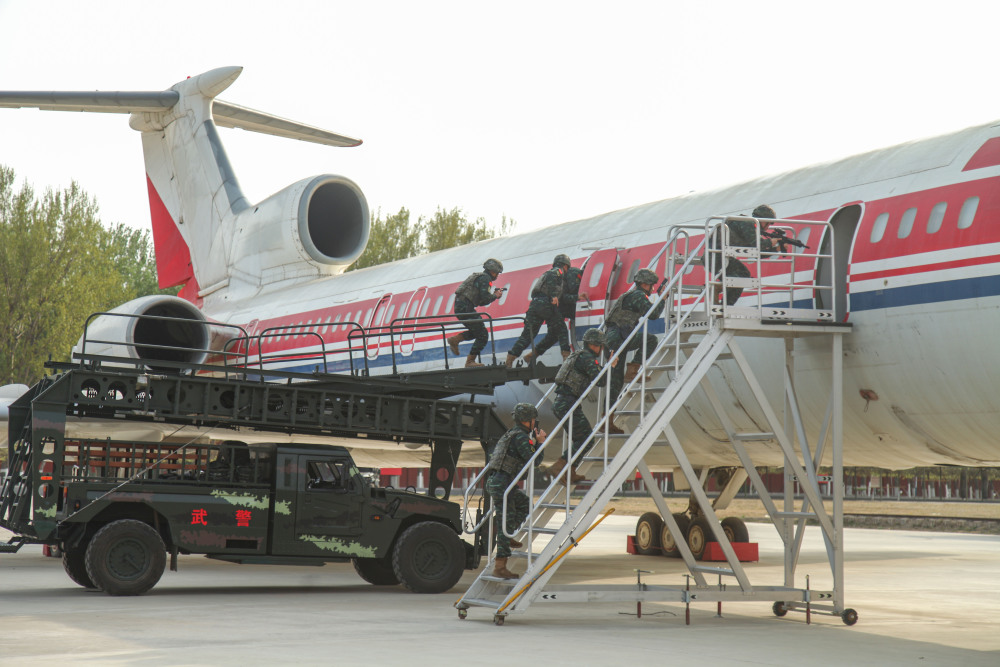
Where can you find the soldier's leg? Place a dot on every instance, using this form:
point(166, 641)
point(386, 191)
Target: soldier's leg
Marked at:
point(468, 318)
point(581, 431)
point(618, 376)
point(495, 486)
point(478, 330)
point(518, 502)
point(735, 269)
point(532, 322)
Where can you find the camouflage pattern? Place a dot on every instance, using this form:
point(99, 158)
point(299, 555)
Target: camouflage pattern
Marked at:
point(479, 293)
point(524, 412)
point(636, 302)
point(542, 311)
point(743, 233)
point(230, 517)
point(571, 292)
point(595, 337)
point(493, 265)
point(764, 211)
point(645, 276)
point(561, 260)
point(521, 447)
point(588, 365)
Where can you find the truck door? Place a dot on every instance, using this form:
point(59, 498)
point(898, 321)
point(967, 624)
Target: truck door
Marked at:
point(326, 508)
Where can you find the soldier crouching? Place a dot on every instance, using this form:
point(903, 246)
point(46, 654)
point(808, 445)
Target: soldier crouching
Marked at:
point(512, 452)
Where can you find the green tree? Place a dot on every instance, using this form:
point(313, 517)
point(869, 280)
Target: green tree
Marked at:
point(396, 237)
point(58, 265)
point(391, 238)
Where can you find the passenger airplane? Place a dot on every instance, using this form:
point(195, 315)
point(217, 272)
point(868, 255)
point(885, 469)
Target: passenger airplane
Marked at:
point(918, 274)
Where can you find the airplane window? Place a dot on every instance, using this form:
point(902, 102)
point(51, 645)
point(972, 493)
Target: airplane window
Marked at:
point(503, 297)
point(451, 303)
point(368, 317)
point(632, 269)
point(413, 308)
point(968, 212)
point(906, 223)
point(595, 277)
point(878, 229)
point(437, 305)
point(936, 217)
point(388, 316)
point(426, 307)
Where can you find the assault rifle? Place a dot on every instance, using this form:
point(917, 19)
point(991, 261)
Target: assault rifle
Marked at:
point(782, 239)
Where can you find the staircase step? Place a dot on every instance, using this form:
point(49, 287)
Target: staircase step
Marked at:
point(497, 580)
point(556, 506)
point(705, 569)
point(753, 436)
point(524, 554)
point(545, 531)
point(480, 602)
point(795, 515)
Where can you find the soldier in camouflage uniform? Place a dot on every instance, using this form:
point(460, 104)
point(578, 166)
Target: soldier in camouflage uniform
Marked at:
point(570, 295)
point(744, 233)
point(511, 453)
point(544, 307)
point(576, 374)
point(476, 290)
point(622, 319)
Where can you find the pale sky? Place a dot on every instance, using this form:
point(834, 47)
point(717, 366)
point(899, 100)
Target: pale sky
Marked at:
point(543, 111)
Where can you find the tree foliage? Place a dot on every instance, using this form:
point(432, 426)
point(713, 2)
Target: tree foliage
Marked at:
point(396, 237)
point(58, 264)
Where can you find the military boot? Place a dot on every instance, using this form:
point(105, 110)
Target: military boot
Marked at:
point(471, 362)
point(612, 429)
point(500, 570)
point(631, 370)
point(515, 544)
point(510, 360)
point(565, 355)
point(453, 342)
point(556, 467)
point(528, 356)
point(574, 477)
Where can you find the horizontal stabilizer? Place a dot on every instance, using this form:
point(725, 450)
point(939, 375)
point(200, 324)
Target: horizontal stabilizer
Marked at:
point(225, 114)
point(232, 115)
point(108, 102)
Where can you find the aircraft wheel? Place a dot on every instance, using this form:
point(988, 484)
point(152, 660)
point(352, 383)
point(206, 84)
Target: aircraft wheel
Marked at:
point(429, 558)
point(849, 616)
point(647, 533)
point(779, 609)
point(376, 571)
point(736, 529)
point(126, 557)
point(699, 535)
point(667, 543)
point(75, 563)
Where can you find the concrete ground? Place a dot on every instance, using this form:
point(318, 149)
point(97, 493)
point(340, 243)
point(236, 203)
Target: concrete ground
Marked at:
point(923, 598)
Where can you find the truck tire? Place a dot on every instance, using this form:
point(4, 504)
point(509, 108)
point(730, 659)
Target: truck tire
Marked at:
point(376, 571)
point(75, 564)
point(428, 558)
point(126, 557)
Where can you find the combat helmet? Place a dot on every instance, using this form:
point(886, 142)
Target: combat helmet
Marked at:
point(493, 266)
point(562, 260)
point(595, 337)
point(645, 276)
point(524, 412)
point(764, 211)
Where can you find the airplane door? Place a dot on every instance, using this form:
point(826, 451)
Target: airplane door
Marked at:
point(599, 273)
point(845, 224)
point(407, 336)
point(378, 315)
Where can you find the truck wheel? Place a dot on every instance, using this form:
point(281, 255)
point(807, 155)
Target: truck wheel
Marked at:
point(428, 558)
point(75, 563)
point(126, 557)
point(376, 571)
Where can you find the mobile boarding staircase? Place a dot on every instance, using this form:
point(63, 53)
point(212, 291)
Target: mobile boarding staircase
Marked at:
point(699, 332)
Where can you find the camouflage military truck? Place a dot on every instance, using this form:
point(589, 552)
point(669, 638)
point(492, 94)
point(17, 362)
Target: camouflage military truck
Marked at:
point(123, 508)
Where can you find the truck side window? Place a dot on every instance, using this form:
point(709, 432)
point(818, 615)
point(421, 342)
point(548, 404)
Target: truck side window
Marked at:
point(324, 475)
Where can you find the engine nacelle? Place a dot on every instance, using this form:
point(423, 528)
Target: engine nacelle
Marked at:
point(184, 337)
point(315, 227)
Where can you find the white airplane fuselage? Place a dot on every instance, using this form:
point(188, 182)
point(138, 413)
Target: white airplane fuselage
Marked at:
point(917, 228)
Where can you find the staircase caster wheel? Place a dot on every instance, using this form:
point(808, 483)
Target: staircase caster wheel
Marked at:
point(780, 609)
point(463, 614)
point(498, 619)
point(849, 616)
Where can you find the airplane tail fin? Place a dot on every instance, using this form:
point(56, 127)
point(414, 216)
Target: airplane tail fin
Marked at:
point(194, 196)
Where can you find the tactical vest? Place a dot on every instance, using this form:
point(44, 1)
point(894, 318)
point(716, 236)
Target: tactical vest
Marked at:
point(467, 290)
point(571, 378)
point(505, 462)
point(537, 293)
point(622, 317)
